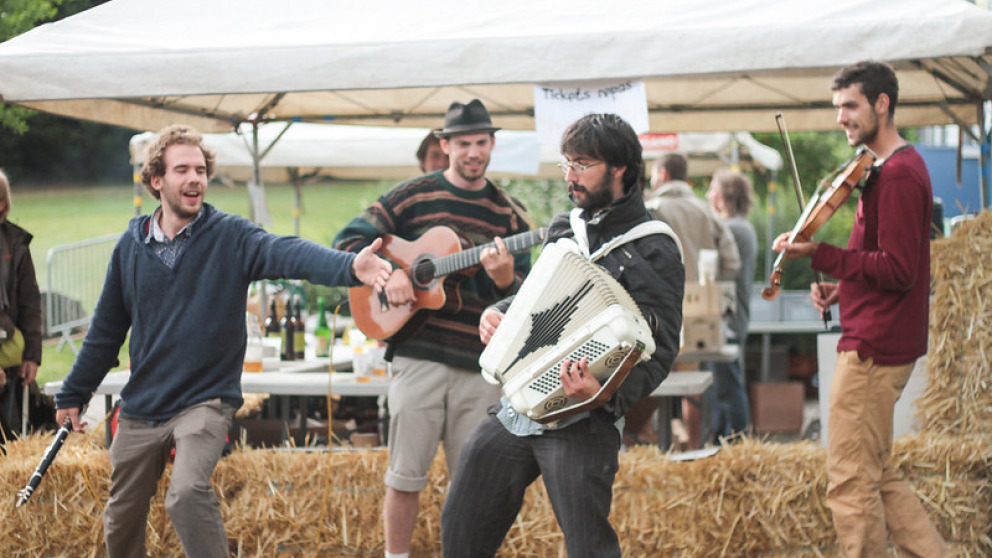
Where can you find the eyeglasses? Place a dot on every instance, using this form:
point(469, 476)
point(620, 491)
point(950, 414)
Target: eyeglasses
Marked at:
point(579, 168)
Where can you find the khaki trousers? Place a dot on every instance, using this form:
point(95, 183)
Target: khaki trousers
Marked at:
point(867, 495)
point(138, 456)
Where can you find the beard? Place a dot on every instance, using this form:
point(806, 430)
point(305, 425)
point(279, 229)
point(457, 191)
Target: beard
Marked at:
point(469, 176)
point(175, 203)
point(593, 200)
point(867, 135)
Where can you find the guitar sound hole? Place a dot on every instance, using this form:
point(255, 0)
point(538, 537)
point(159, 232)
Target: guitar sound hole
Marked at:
point(422, 274)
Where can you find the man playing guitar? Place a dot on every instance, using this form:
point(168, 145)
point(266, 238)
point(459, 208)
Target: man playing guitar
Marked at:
point(436, 393)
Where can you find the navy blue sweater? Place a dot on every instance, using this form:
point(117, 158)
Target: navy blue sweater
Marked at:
point(188, 323)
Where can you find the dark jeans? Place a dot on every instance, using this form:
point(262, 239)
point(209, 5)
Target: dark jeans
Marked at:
point(731, 409)
point(578, 464)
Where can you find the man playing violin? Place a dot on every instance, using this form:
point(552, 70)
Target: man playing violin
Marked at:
point(883, 293)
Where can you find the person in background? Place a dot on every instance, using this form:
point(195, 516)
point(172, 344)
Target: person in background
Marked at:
point(20, 315)
point(430, 155)
point(437, 393)
point(730, 196)
point(672, 200)
point(178, 280)
point(577, 456)
point(884, 297)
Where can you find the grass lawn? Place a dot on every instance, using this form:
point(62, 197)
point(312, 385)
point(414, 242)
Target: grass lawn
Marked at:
point(63, 216)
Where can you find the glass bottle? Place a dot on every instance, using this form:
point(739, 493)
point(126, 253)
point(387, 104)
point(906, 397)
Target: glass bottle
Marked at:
point(322, 333)
point(272, 328)
point(299, 331)
point(287, 324)
point(254, 351)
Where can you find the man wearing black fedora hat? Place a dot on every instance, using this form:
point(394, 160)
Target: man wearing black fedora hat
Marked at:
point(436, 393)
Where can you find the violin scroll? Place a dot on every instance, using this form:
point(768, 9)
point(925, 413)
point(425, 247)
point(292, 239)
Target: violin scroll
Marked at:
point(771, 291)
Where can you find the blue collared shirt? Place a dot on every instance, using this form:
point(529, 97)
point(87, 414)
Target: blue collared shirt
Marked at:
point(168, 250)
point(519, 425)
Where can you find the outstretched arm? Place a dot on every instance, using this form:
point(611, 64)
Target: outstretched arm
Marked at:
point(370, 268)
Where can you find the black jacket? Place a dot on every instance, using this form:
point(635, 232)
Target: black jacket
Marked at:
point(651, 270)
point(22, 289)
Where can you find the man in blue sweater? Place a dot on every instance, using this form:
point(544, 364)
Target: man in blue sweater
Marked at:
point(178, 280)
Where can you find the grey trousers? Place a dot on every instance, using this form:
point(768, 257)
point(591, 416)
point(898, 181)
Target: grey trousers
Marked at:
point(578, 464)
point(138, 456)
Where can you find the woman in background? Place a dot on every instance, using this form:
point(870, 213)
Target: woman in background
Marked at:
point(20, 318)
point(730, 196)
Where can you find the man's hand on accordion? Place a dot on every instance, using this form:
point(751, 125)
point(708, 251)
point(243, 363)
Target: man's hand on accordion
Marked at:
point(488, 323)
point(576, 380)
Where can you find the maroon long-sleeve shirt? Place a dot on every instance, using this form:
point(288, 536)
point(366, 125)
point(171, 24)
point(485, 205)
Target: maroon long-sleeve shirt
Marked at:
point(884, 272)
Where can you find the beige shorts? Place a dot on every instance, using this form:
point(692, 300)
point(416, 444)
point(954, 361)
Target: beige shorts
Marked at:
point(429, 403)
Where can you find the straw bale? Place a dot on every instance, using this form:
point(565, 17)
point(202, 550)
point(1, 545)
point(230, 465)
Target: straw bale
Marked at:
point(958, 397)
point(750, 499)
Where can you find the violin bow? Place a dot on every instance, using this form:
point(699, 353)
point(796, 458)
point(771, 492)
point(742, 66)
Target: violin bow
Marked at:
point(25, 493)
point(784, 133)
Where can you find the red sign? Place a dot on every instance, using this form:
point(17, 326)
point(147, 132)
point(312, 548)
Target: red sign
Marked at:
point(659, 142)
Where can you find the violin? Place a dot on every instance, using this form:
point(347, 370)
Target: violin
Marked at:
point(822, 206)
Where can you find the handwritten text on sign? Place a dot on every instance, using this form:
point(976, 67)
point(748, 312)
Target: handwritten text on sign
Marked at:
point(558, 105)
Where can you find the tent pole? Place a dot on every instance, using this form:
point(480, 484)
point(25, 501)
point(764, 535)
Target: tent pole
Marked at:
point(256, 216)
point(297, 203)
point(136, 180)
point(256, 173)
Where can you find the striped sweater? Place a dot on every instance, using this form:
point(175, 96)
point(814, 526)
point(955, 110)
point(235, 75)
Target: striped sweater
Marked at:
point(451, 335)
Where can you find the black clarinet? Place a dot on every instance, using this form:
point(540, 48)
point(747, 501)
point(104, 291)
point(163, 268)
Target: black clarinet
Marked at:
point(25, 493)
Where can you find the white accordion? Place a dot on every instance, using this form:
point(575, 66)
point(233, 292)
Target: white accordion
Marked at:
point(567, 308)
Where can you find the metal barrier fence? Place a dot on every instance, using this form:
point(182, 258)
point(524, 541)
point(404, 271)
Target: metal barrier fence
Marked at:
point(75, 279)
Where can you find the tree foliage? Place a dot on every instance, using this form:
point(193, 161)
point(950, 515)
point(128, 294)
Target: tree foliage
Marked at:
point(20, 16)
point(38, 147)
point(16, 17)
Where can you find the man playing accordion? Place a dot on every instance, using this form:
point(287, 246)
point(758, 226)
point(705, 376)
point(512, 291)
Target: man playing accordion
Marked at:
point(577, 455)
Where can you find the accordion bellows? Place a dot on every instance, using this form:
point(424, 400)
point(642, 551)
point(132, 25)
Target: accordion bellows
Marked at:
point(567, 308)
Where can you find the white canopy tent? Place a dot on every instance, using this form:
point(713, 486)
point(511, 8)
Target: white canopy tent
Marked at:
point(303, 152)
point(343, 151)
point(374, 152)
point(708, 65)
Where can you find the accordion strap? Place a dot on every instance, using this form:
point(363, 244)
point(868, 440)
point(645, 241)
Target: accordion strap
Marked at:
point(646, 228)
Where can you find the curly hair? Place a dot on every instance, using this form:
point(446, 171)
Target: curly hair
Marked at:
point(155, 155)
point(608, 138)
point(875, 78)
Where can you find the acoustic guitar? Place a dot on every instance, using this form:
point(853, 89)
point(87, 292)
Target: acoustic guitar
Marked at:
point(428, 260)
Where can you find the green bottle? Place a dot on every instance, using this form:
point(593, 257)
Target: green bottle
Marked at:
point(322, 334)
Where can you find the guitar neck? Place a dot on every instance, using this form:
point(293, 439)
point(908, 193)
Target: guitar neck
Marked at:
point(465, 259)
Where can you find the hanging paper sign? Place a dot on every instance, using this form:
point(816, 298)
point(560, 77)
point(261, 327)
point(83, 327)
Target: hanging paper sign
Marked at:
point(557, 105)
